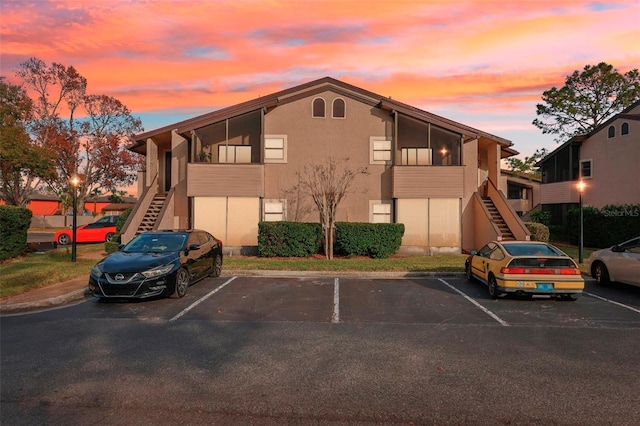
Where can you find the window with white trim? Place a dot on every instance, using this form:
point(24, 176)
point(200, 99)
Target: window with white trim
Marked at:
point(586, 170)
point(275, 149)
point(273, 210)
point(624, 129)
point(380, 211)
point(416, 156)
point(338, 108)
point(234, 153)
point(379, 150)
point(318, 108)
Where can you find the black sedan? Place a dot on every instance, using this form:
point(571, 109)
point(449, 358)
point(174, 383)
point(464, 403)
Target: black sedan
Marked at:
point(157, 263)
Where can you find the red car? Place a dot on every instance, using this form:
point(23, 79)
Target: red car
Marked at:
point(97, 232)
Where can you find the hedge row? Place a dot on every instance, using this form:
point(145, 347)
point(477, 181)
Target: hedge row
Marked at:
point(604, 227)
point(376, 240)
point(14, 224)
point(296, 239)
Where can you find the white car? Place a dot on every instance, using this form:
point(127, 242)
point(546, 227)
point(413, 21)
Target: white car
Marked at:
point(620, 263)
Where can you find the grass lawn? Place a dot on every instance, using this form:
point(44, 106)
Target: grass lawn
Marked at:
point(39, 270)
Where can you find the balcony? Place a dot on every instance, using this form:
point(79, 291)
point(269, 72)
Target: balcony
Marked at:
point(225, 180)
point(427, 181)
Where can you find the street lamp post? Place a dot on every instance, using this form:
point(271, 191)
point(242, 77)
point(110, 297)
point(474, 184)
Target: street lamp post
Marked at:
point(74, 184)
point(581, 186)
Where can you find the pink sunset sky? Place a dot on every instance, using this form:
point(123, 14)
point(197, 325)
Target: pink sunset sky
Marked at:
point(482, 63)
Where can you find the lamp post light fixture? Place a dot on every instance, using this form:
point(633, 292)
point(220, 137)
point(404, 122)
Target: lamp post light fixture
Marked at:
point(581, 187)
point(75, 181)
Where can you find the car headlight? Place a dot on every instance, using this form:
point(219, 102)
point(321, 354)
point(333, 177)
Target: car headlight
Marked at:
point(96, 270)
point(158, 271)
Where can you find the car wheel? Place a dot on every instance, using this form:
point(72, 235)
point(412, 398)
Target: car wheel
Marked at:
point(108, 237)
point(64, 239)
point(182, 283)
point(568, 298)
point(467, 271)
point(493, 287)
point(601, 274)
point(217, 266)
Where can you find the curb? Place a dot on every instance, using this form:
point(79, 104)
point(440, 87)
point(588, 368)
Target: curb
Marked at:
point(52, 302)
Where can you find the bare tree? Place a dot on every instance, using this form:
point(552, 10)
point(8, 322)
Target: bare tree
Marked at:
point(327, 184)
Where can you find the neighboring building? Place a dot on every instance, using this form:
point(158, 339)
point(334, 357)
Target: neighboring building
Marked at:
point(230, 169)
point(523, 191)
point(50, 205)
point(607, 160)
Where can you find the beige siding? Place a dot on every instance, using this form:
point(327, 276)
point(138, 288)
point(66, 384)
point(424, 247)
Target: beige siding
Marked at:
point(423, 182)
point(232, 219)
point(213, 180)
point(559, 192)
point(413, 214)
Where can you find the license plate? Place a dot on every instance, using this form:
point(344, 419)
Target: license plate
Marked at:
point(544, 286)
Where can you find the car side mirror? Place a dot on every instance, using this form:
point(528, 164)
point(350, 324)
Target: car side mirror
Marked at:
point(617, 249)
point(474, 252)
point(193, 247)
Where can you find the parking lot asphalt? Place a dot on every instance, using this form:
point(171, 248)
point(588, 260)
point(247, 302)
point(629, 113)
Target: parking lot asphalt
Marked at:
point(74, 290)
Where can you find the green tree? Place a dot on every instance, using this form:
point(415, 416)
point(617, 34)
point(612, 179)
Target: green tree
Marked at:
point(588, 98)
point(21, 161)
point(527, 167)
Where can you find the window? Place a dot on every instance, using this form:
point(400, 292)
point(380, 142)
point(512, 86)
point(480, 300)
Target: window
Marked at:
point(273, 210)
point(416, 156)
point(234, 154)
point(380, 150)
point(624, 129)
point(275, 149)
point(380, 211)
point(416, 139)
point(339, 108)
point(611, 132)
point(318, 108)
point(585, 169)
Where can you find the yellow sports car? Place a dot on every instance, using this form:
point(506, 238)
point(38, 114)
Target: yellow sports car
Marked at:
point(525, 267)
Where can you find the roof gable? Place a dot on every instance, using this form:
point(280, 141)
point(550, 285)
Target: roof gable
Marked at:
point(309, 89)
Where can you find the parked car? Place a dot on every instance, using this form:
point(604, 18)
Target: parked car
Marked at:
point(101, 230)
point(619, 263)
point(157, 263)
point(525, 267)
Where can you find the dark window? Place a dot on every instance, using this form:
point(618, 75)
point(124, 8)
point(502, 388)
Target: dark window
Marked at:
point(585, 169)
point(624, 129)
point(514, 192)
point(612, 132)
point(318, 107)
point(339, 108)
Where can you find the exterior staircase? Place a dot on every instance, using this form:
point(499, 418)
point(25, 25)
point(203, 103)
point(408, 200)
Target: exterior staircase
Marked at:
point(507, 235)
point(151, 216)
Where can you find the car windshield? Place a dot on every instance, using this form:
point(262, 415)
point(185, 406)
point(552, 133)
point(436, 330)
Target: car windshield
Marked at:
point(532, 250)
point(156, 243)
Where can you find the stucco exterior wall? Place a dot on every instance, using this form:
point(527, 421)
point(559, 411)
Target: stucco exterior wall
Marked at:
point(615, 166)
point(313, 140)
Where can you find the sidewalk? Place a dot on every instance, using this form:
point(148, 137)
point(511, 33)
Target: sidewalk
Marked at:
point(46, 297)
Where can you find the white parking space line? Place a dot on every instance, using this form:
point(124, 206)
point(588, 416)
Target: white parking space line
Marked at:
point(335, 318)
point(482, 308)
point(202, 299)
point(612, 301)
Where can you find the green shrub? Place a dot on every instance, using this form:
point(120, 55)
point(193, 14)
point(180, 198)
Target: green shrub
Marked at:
point(539, 231)
point(376, 240)
point(289, 239)
point(111, 246)
point(539, 216)
point(14, 224)
point(604, 227)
